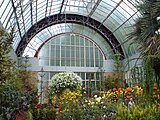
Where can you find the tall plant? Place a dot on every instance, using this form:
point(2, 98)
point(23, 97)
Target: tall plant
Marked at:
point(146, 33)
point(6, 63)
point(13, 98)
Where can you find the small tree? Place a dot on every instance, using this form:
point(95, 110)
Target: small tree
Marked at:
point(6, 63)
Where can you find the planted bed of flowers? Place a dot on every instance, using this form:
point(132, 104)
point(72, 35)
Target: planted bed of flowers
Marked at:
point(68, 100)
point(71, 102)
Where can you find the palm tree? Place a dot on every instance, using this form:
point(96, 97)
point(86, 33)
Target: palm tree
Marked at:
point(146, 32)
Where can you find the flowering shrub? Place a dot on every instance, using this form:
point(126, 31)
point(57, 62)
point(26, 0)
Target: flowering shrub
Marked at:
point(63, 81)
point(67, 99)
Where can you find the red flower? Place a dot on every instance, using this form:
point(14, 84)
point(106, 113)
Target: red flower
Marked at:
point(39, 106)
point(60, 108)
point(21, 116)
point(85, 95)
point(155, 88)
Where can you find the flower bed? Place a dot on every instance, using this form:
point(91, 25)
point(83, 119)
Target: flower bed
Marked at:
point(71, 103)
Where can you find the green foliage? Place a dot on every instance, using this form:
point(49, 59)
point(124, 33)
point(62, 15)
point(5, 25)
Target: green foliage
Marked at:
point(6, 63)
point(12, 101)
point(117, 63)
point(44, 114)
point(70, 114)
point(146, 34)
point(149, 77)
point(157, 115)
point(29, 115)
point(27, 80)
point(13, 98)
point(136, 113)
point(109, 82)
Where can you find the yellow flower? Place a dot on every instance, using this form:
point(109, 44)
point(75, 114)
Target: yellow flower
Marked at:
point(98, 99)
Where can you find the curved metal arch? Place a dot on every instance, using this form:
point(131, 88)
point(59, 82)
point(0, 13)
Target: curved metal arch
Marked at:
point(69, 18)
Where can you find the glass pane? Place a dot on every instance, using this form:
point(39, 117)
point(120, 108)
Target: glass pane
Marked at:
point(77, 52)
point(81, 41)
point(72, 52)
point(58, 51)
point(67, 51)
point(72, 40)
point(82, 52)
point(72, 62)
point(77, 40)
point(77, 62)
point(57, 62)
point(62, 61)
point(52, 62)
point(52, 51)
point(87, 42)
point(67, 61)
point(62, 51)
point(82, 62)
point(67, 40)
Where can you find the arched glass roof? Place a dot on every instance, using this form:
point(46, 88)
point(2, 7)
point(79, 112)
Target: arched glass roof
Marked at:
point(116, 15)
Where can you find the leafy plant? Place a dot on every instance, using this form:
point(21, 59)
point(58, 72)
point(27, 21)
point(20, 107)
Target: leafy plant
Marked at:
point(136, 113)
point(13, 101)
point(29, 115)
point(146, 34)
point(44, 113)
point(6, 63)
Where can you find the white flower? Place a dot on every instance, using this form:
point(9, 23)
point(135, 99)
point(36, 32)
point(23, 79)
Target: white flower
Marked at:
point(64, 80)
point(104, 106)
point(95, 96)
point(102, 102)
point(92, 103)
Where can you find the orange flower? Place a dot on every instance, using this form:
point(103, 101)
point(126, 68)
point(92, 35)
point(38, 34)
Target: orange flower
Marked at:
point(139, 92)
point(114, 89)
point(129, 93)
point(119, 91)
point(128, 96)
point(158, 96)
point(129, 89)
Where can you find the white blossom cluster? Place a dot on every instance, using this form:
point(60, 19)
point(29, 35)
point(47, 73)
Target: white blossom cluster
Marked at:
point(65, 80)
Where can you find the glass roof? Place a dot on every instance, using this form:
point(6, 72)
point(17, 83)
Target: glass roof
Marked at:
point(116, 15)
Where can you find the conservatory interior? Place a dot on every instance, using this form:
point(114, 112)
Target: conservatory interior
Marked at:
point(79, 59)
